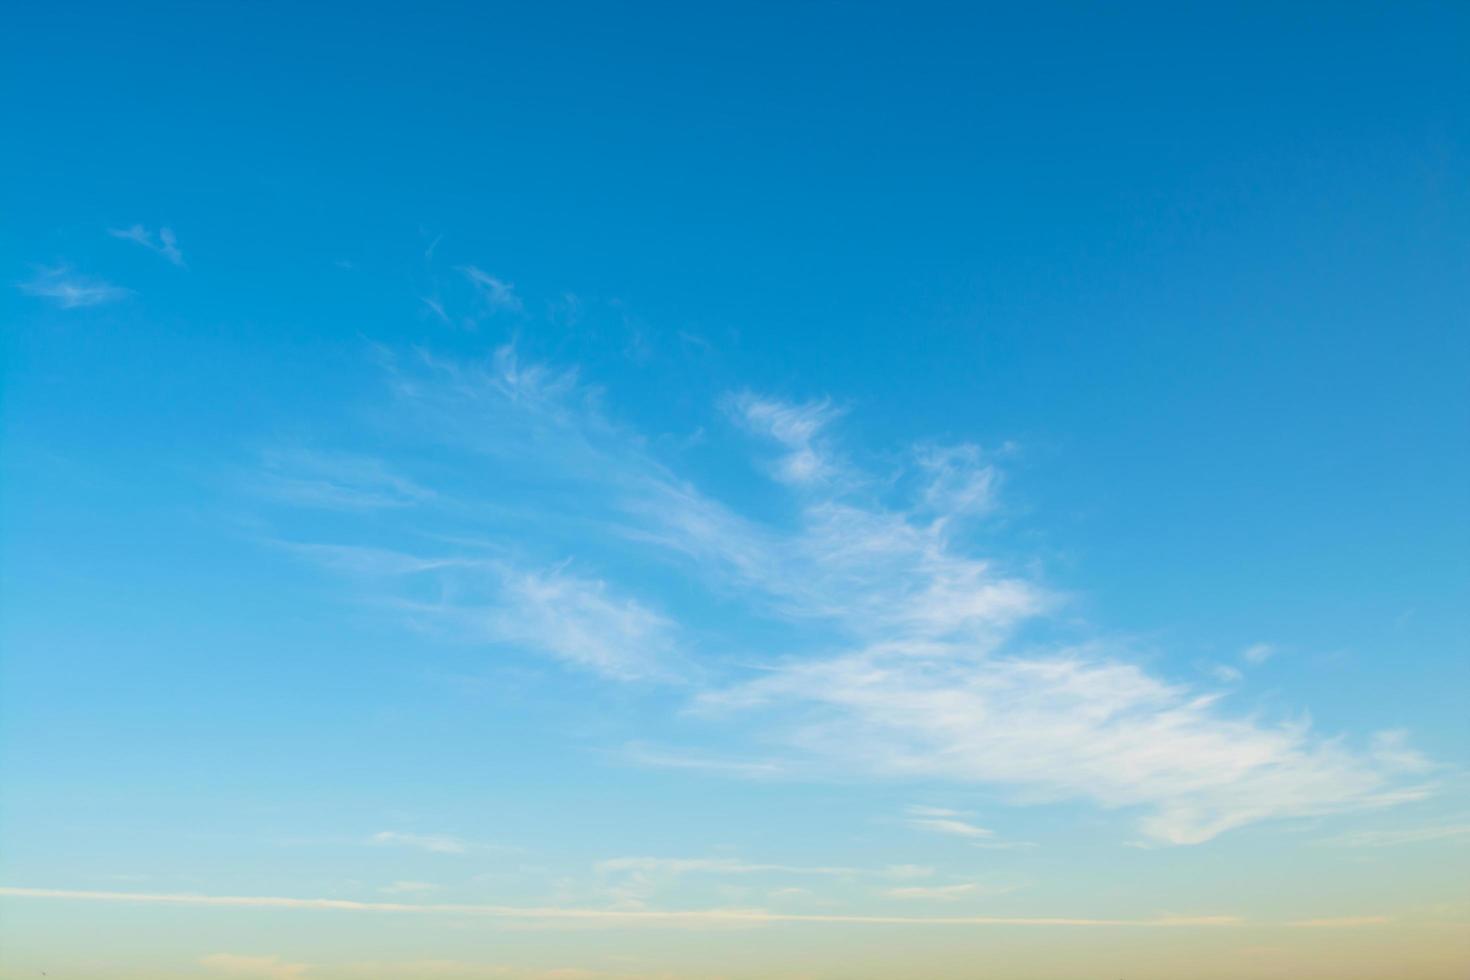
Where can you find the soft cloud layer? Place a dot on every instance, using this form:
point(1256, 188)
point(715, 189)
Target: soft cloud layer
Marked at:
point(905, 658)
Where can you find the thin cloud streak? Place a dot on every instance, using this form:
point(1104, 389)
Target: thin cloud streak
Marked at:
point(1397, 838)
point(718, 866)
point(941, 821)
point(645, 916)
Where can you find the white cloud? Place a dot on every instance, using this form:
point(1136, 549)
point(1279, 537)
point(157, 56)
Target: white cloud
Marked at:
point(164, 242)
point(1226, 674)
point(269, 967)
point(434, 843)
point(910, 660)
point(578, 620)
point(70, 290)
point(581, 621)
point(957, 480)
point(1067, 726)
point(1258, 653)
point(497, 293)
point(795, 427)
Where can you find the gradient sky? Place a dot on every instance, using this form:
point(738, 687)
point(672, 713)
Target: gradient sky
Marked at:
point(746, 491)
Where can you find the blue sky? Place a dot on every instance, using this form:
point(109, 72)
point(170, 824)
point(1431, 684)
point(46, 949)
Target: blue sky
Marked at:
point(761, 491)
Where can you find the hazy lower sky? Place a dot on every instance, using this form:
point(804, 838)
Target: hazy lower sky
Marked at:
point(735, 491)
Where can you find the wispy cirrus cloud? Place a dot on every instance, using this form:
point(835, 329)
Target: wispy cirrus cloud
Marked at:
point(163, 242)
point(958, 480)
point(797, 428)
point(938, 820)
point(335, 481)
point(905, 658)
point(496, 293)
point(578, 620)
point(71, 290)
point(1069, 725)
